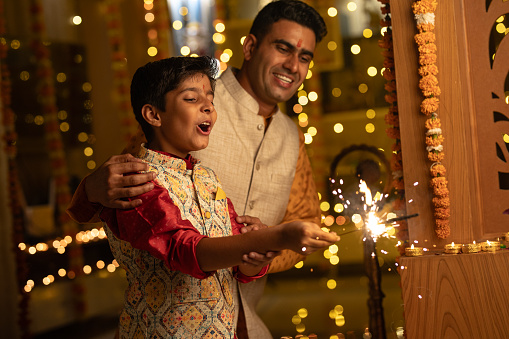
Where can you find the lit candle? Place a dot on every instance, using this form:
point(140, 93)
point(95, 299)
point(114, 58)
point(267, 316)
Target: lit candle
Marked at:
point(452, 248)
point(471, 248)
point(413, 251)
point(490, 246)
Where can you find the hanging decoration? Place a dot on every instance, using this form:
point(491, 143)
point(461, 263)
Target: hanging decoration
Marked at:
point(47, 98)
point(424, 11)
point(13, 185)
point(121, 79)
point(392, 119)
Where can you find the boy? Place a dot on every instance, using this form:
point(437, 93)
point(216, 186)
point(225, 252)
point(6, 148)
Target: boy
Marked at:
point(186, 222)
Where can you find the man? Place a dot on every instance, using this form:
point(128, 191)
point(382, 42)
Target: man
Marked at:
point(256, 150)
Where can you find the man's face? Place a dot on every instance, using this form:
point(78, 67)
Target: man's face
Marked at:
point(189, 117)
point(279, 62)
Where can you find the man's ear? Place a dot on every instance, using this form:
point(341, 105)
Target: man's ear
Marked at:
point(249, 46)
point(151, 115)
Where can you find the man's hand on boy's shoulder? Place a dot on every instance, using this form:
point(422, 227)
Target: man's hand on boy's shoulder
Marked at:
point(118, 179)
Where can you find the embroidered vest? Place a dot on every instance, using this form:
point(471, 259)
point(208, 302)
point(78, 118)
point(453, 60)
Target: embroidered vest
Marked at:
point(160, 303)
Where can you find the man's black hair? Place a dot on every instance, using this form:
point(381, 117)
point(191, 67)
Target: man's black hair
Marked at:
point(151, 82)
point(292, 10)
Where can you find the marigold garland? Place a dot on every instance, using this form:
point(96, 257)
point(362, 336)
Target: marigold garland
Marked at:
point(121, 78)
point(392, 120)
point(46, 91)
point(13, 184)
point(424, 11)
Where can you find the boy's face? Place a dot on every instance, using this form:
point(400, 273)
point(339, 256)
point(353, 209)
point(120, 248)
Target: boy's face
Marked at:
point(280, 61)
point(188, 118)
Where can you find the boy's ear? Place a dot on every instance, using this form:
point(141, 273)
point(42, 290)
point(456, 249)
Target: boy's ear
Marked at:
point(151, 115)
point(249, 46)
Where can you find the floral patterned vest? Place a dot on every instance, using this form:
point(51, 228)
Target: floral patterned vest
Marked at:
point(160, 303)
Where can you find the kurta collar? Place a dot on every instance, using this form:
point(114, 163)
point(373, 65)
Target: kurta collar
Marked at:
point(166, 159)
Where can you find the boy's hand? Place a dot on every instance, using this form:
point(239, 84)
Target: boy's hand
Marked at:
point(306, 237)
point(109, 184)
point(252, 223)
point(255, 259)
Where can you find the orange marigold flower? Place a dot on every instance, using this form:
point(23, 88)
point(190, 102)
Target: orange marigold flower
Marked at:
point(396, 147)
point(395, 164)
point(434, 140)
point(392, 119)
point(388, 74)
point(435, 156)
point(385, 22)
point(442, 228)
point(433, 91)
point(393, 108)
point(437, 170)
point(438, 182)
point(430, 48)
point(442, 213)
point(391, 97)
point(393, 133)
point(427, 82)
point(390, 86)
point(441, 202)
point(398, 184)
point(389, 63)
point(424, 38)
point(441, 192)
point(386, 10)
point(428, 69)
point(398, 157)
point(426, 27)
point(429, 106)
point(385, 44)
point(432, 123)
point(427, 59)
point(424, 6)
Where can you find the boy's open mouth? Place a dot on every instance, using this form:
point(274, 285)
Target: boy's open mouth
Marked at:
point(205, 126)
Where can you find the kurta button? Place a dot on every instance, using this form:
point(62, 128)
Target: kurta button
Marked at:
point(251, 204)
point(258, 166)
point(207, 215)
point(260, 127)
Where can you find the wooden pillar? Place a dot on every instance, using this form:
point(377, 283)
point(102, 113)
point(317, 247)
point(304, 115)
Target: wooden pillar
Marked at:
point(457, 296)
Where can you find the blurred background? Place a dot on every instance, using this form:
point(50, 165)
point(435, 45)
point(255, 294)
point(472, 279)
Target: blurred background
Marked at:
point(66, 68)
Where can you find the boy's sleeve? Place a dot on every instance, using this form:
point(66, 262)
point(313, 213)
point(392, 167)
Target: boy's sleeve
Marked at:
point(236, 230)
point(81, 209)
point(156, 226)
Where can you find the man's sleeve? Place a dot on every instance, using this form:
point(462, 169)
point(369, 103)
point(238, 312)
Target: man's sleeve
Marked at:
point(157, 226)
point(302, 205)
point(81, 209)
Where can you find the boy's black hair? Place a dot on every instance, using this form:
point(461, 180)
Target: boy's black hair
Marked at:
point(292, 10)
point(151, 82)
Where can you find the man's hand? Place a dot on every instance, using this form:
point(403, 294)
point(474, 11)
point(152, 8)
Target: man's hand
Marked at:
point(254, 258)
point(109, 185)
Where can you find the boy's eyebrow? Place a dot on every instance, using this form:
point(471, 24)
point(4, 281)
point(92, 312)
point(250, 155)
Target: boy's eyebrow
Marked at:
point(195, 89)
point(292, 47)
